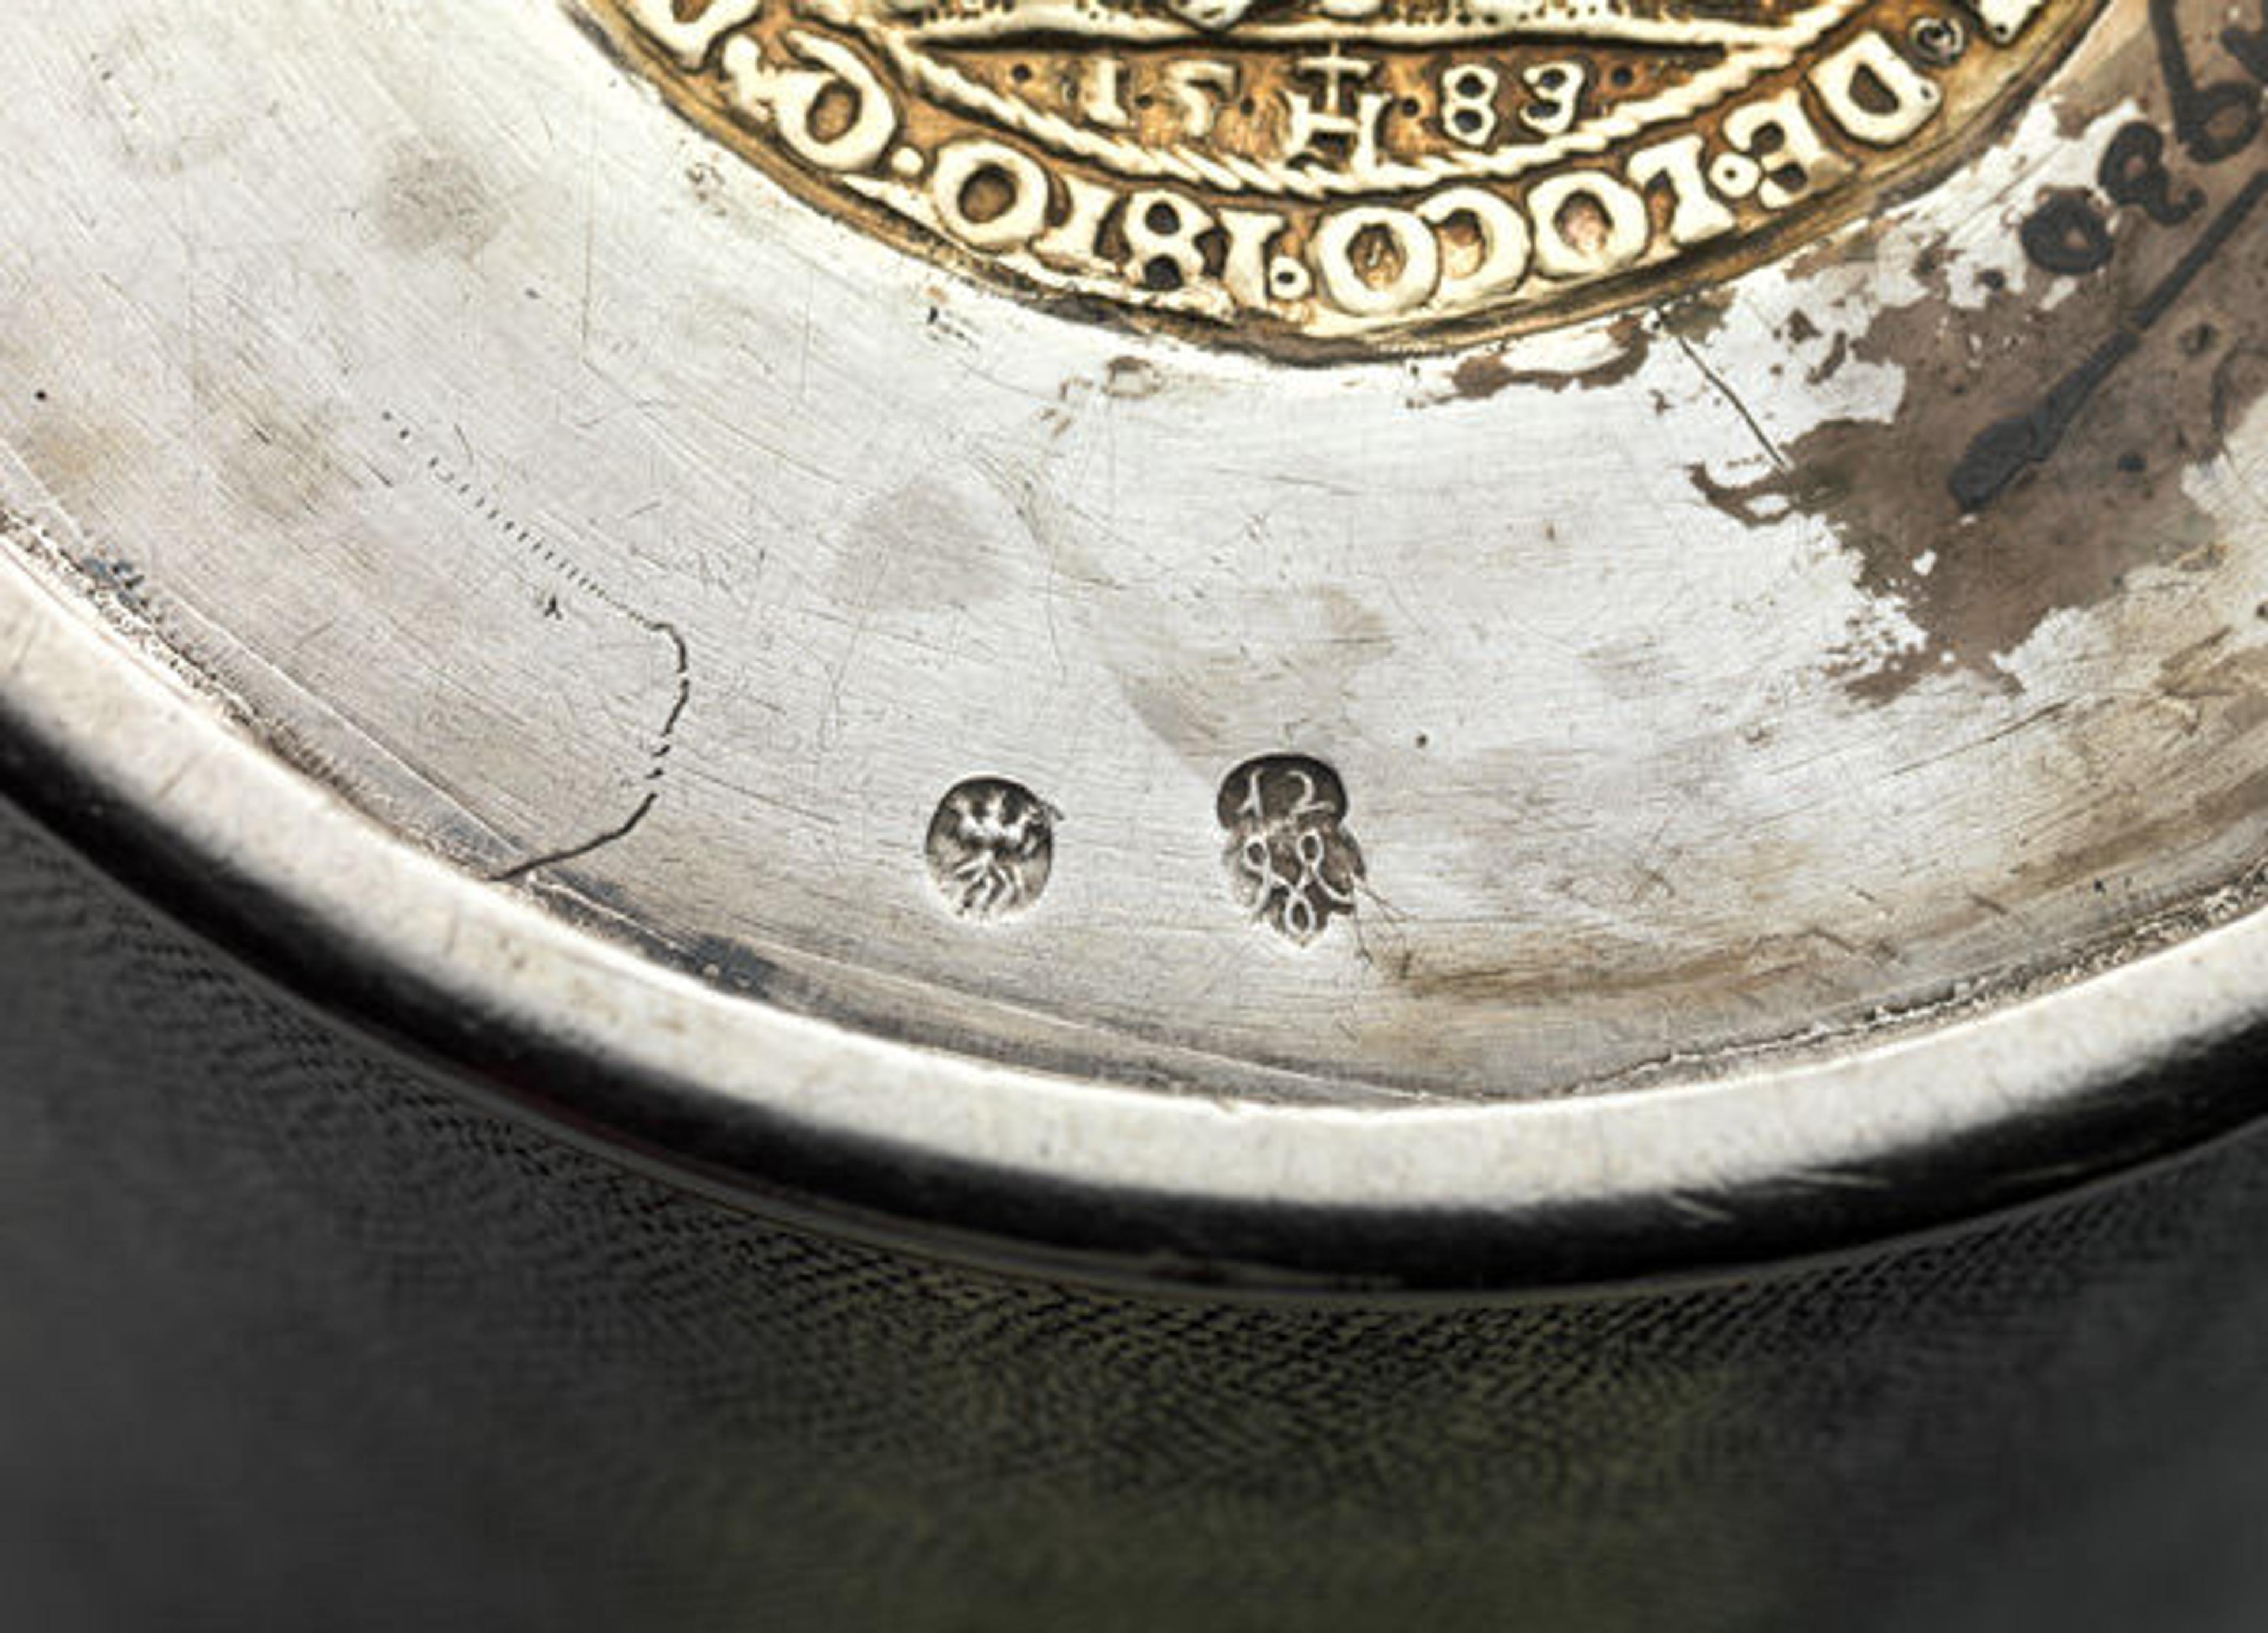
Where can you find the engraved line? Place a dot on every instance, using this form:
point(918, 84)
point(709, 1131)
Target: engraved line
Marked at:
point(623, 830)
point(2005, 449)
point(2196, 106)
point(538, 545)
point(1731, 398)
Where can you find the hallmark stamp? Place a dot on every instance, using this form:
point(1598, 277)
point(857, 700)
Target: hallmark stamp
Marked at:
point(1337, 171)
point(991, 847)
point(1290, 861)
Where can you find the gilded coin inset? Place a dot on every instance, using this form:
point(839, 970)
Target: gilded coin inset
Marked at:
point(1335, 171)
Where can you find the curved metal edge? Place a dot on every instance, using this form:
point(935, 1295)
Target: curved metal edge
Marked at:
point(826, 1130)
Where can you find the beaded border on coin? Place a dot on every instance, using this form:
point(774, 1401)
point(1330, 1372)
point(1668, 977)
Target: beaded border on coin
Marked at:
point(1322, 174)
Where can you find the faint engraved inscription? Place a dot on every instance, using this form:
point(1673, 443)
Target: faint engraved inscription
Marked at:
point(1290, 858)
point(991, 846)
point(1340, 170)
point(2207, 122)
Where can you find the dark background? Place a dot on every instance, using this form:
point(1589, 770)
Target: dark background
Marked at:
point(291, 1338)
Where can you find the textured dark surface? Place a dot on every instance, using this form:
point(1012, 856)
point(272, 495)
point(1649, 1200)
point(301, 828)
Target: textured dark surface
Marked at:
point(289, 1338)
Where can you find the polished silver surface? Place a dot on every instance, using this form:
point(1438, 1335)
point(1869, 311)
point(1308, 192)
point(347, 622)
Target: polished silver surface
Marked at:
point(1767, 764)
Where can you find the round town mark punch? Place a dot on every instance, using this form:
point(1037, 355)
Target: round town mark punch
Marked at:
point(1341, 170)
